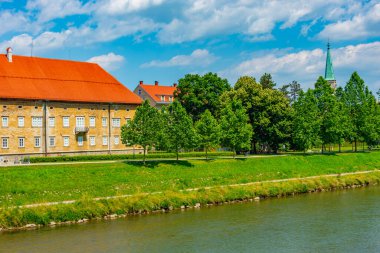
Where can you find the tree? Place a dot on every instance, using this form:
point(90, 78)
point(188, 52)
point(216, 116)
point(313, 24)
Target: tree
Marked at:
point(179, 131)
point(200, 93)
point(267, 82)
point(358, 100)
point(142, 129)
point(236, 130)
point(295, 89)
point(208, 131)
point(306, 123)
point(285, 90)
point(378, 96)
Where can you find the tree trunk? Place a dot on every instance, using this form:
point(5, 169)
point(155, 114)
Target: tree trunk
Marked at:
point(340, 148)
point(254, 148)
point(206, 154)
point(322, 148)
point(177, 154)
point(356, 147)
point(144, 154)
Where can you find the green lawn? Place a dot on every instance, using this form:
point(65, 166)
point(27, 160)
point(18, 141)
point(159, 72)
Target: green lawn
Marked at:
point(36, 184)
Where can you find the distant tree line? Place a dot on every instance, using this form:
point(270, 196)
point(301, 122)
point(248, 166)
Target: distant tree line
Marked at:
point(255, 116)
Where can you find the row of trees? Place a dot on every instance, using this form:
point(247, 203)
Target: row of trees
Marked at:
point(255, 116)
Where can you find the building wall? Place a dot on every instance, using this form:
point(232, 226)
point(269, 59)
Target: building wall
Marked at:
point(58, 110)
point(145, 96)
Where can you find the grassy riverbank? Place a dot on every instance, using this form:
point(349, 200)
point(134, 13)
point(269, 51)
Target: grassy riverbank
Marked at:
point(50, 183)
point(83, 182)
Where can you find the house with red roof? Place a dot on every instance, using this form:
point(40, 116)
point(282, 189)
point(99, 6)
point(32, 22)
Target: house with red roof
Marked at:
point(60, 107)
point(158, 95)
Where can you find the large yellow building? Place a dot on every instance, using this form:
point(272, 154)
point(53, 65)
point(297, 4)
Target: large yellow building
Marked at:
point(57, 107)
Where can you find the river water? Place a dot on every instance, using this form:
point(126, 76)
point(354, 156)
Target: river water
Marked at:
point(341, 221)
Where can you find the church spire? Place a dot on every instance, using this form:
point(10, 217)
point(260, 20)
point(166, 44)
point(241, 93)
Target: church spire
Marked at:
point(329, 71)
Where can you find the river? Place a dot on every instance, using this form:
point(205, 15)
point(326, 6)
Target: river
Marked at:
point(341, 221)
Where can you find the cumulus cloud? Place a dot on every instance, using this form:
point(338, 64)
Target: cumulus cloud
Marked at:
point(13, 22)
point(361, 26)
point(108, 61)
point(125, 6)
point(199, 57)
point(306, 65)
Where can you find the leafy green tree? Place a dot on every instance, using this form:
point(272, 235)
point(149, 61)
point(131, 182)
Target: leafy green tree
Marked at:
point(266, 81)
point(200, 93)
point(358, 100)
point(378, 96)
point(179, 131)
point(208, 131)
point(285, 90)
point(236, 131)
point(306, 123)
point(142, 129)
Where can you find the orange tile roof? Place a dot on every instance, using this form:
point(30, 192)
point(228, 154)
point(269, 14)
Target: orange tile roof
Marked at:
point(34, 78)
point(156, 91)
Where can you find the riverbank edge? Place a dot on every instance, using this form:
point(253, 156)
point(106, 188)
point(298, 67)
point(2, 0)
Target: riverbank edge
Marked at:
point(86, 209)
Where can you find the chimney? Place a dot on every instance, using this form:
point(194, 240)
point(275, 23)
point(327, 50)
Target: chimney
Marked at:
point(9, 54)
point(175, 85)
point(156, 83)
point(141, 82)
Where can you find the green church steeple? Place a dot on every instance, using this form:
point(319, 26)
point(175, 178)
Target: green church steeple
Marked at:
point(329, 70)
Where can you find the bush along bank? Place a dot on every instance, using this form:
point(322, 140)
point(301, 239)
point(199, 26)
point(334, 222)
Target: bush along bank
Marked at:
point(87, 209)
point(123, 157)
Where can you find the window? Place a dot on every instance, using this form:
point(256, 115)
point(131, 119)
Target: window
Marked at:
point(139, 92)
point(21, 142)
point(170, 99)
point(79, 122)
point(162, 98)
point(80, 140)
point(116, 122)
point(20, 107)
point(37, 141)
point(4, 121)
point(104, 122)
point(51, 122)
point(21, 121)
point(66, 121)
point(52, 141)
point(92, 140)
point(36, 121)
point(4, 142)
point(105, 140)
point(92, 121)
point(66, 141)
point(116, 140)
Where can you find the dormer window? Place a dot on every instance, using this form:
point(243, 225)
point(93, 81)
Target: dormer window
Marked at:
point(162, 98)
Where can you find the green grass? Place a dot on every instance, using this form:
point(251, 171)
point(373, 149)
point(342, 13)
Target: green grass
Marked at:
point(49, 183)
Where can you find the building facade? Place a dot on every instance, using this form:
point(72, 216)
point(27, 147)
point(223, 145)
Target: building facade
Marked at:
point(57, 107)
point(157, 95)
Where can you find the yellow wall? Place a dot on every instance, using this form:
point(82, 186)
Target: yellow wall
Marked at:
point(58, 110)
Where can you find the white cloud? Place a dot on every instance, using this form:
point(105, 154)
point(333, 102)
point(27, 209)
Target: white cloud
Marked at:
point(13, 22)
point(361, 26)
point(108, 61)
point(199, 57)
point(306, 65)
point(125, 6)
point(49, 10)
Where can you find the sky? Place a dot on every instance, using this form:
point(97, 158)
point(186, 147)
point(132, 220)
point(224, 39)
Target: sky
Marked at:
point(163, 40)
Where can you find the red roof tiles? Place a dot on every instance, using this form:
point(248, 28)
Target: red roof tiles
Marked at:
point(36, 78)
point(156, 91)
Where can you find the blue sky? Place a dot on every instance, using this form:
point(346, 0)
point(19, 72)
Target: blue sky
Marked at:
point(165, 39)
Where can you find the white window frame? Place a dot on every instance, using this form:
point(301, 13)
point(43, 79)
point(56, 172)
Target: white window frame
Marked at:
point(116, 140)
point(51, 138)
point(115, 122)
point(80, 141)
point(162, 98)
point(92, 121)
point(66, 121)
point(36, 121)
point(66, 141)
point(21, 121)
point(51, 121)
point(104, 122)
point(5, 121)
point(170, 98)
point(105, 140)
point(79, 121)
point(37, 141)
point(21, 142)
point(5, 142)
point(92, 141)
